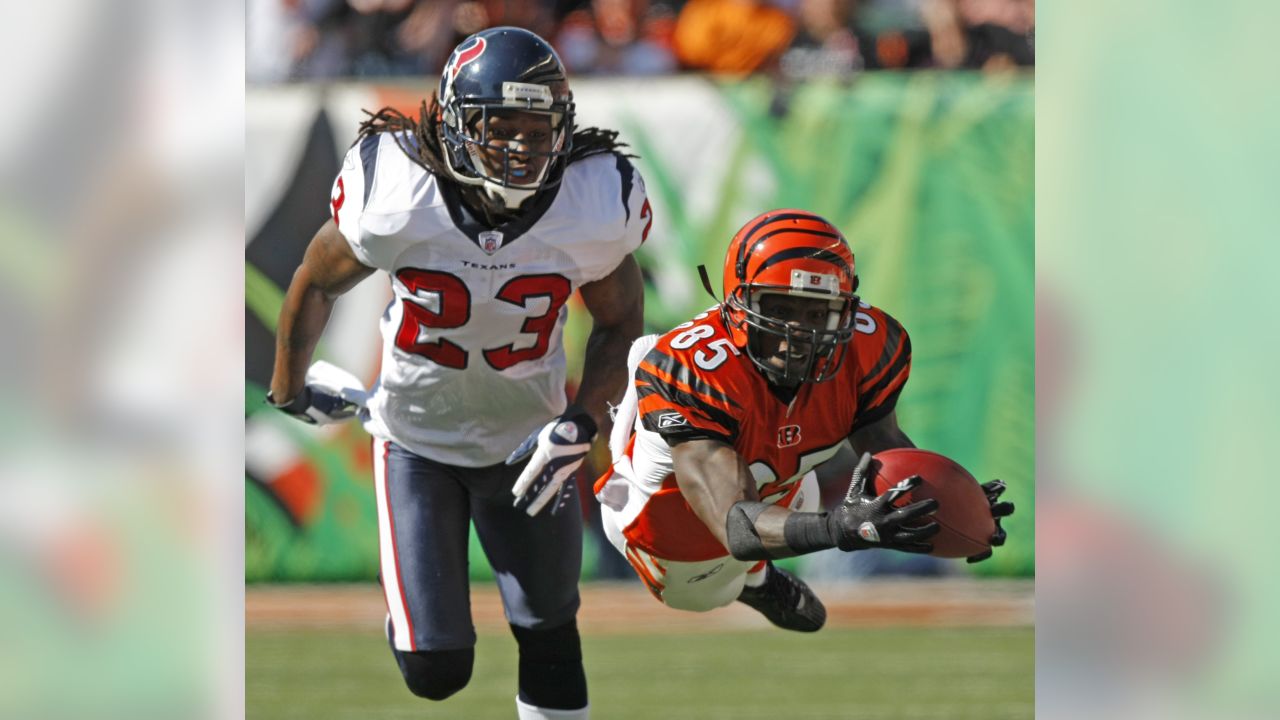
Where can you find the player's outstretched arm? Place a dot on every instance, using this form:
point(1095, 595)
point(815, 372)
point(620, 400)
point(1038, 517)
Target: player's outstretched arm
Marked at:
point(329, 269)
point(756, 531)
point(717, 484)
point(616, 304)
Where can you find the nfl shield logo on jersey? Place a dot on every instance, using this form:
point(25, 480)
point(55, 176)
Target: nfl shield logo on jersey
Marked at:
point(490, 241)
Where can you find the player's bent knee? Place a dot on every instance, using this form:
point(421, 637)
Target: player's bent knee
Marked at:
point(715, 591)
point(703, 601)
point(436, 674)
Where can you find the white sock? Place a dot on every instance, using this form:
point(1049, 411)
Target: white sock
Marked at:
point(525, 711)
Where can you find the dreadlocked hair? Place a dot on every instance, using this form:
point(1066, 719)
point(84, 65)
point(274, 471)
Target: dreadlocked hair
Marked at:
point(594, 141)
point(420, 139)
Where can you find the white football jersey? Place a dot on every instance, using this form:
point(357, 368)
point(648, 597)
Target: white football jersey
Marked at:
point(472, 358)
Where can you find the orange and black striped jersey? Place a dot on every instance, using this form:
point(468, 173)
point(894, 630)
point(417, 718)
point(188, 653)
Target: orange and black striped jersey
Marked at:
point(695, 384)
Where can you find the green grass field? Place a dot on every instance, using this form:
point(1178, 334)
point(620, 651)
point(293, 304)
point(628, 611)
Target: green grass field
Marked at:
point(884, 673)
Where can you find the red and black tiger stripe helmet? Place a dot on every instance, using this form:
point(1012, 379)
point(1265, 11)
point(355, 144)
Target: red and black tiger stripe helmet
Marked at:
point(798, 253)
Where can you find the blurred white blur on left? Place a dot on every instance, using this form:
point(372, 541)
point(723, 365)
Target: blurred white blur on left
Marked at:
point(121, 548)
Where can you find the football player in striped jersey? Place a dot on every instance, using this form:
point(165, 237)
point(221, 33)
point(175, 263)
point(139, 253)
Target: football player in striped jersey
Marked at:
point(728, 414)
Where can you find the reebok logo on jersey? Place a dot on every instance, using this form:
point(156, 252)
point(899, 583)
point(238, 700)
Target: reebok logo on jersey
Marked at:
point(666, 420)
point(788, 435)
point(705, 575)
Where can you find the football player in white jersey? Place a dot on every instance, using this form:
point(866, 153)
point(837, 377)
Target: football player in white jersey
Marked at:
point(487, 211)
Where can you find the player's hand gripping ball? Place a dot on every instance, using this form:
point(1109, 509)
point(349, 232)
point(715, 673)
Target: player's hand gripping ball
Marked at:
point(871, 517)
point(555, 451)
point(968, 513)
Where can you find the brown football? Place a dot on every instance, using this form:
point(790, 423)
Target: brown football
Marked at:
point(963, 511)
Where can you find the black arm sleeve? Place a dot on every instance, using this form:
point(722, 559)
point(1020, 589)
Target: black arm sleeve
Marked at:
point(803, 532)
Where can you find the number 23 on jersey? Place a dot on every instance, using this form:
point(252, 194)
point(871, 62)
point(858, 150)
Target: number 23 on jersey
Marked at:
point(451, 308)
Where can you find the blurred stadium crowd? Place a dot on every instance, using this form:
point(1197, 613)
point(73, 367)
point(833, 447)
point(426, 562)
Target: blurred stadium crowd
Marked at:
point(788, 39)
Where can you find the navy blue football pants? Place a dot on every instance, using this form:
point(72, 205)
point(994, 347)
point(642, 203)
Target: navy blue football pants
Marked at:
point(424, 512)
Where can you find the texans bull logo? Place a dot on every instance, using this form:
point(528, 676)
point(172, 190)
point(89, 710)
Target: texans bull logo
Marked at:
point(464, 56)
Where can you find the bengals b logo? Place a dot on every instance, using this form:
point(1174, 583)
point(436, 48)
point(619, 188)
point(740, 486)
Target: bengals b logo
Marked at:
point(788, 436)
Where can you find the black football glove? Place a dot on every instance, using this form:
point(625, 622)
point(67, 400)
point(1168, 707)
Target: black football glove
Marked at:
point(864, 520)
point(316, 407)
point(999, 510)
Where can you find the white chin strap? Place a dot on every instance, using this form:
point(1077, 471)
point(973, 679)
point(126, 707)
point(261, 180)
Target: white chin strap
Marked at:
point(510, 198)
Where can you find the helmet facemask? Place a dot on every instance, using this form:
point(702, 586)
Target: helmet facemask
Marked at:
point(511, 148)
point(812, 354)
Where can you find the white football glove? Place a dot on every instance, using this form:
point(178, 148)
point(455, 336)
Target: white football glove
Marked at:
point(330, 395)
point(555, 451)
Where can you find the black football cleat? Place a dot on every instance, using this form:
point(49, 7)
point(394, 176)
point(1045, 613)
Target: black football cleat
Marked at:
point(786, 601)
